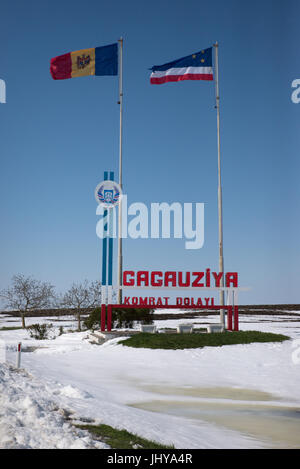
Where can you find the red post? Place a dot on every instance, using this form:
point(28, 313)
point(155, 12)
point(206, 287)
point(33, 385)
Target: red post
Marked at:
point(109, 315)
point(103, 317)
point(19, 354)
point(236, 318)
point(229, 318)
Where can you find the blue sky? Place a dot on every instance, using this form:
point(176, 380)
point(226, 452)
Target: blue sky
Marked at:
point(57, 138)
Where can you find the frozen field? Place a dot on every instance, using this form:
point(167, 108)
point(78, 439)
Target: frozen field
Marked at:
point(239, 396)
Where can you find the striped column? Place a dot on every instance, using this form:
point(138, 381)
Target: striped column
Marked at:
point(110, 247)
point(107, 257)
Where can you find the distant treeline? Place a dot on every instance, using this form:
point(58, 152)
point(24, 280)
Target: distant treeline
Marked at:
point(46, 312)
point(243, 309)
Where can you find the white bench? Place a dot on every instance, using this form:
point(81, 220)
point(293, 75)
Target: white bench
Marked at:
point(148, 328)
point(212, 328)
point(185, 328)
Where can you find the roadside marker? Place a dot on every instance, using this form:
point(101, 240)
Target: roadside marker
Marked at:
point(19, 349)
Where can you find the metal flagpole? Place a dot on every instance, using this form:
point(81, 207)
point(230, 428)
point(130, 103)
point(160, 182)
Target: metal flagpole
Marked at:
point(120, 254)
point(220, 208)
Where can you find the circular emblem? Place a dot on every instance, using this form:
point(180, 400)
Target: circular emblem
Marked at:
point(108, 193)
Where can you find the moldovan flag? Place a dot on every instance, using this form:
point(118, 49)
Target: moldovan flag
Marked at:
point(95, 61)
point(197, 66)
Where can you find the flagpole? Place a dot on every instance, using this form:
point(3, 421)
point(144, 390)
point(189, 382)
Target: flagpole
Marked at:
point(120, 102)
point(220, 207)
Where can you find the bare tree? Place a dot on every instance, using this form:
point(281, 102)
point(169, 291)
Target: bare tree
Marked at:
point(82, 297)
point(27, 294)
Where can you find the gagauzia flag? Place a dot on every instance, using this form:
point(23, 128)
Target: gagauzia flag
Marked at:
point(197, 66)
point(95, 61)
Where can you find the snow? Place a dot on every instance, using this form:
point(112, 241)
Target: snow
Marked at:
point(29, 418)
point(111, 383)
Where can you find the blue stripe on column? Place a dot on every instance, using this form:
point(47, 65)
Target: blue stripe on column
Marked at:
point(110, 239)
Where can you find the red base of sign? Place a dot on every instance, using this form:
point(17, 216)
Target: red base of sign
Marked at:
point(108, 321)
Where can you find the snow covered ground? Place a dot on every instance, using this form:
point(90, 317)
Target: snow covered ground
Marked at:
point(240, 396)
point(29, 418)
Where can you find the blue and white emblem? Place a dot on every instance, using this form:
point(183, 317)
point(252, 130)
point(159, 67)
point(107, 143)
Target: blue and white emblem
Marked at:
point(108, 193)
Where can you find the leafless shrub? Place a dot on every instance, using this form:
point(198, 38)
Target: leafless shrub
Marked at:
point(27, 294)
point(82, 297)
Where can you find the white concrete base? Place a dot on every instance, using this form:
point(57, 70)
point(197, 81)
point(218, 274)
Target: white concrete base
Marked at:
point(185, 328)
point(148, 328)
point(212, 328)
